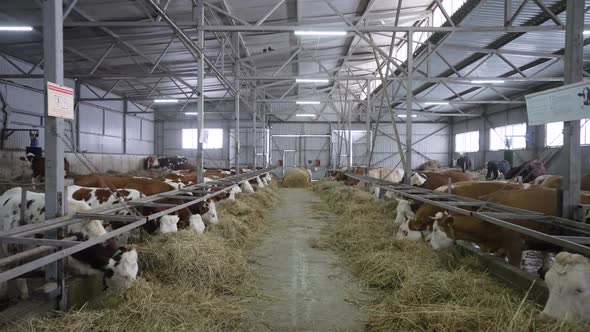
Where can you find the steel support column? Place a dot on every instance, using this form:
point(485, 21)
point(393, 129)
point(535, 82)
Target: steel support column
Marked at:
point(236, 37)
point(54, 127)
point(368, 119)
point(199, 12)
point(125, 110)
point(254, 136)
point(574, 65)
point(409, 97)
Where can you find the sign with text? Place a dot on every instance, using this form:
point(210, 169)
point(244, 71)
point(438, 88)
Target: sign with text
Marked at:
point(566, 103)
point(60, 101)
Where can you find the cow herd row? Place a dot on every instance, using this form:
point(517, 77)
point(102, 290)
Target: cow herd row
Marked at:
point(568, 279)
point(119, 263)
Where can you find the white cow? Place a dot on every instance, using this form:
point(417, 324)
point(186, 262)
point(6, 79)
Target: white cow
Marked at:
point(259, 183)
point(417, 179)
point(568, 281)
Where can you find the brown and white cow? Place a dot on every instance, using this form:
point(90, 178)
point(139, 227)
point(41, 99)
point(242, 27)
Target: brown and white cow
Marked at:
point(118, 264)
point(96, 197)
point(420, 226)
point(37, 165)
point(149, 187)
point(493, 238)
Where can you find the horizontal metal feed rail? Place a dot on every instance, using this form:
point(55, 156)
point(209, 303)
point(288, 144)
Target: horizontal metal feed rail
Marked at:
point(53, 250)
point(493, 213)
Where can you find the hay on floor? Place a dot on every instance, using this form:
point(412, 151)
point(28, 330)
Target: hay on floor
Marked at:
point(411, 288)
point(296, 178)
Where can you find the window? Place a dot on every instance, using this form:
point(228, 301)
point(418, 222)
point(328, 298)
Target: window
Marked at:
point(511, 137)
point(212, 138)
point(467, 142)
point(554, 133)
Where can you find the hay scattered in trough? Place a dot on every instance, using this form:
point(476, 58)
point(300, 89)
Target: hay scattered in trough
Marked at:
point(296, 178)
point(410, 287)
point(188, 282)
point(151, 306)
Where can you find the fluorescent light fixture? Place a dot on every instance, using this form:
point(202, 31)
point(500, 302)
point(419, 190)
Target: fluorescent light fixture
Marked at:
point(305, 115)
point(311, 80)
point(191, 113)
point(320, 33)
point(165, 101)
point(16, 28)
point(587, 32)
point(436, 103)
point(307, 102)
point(487, 81)
point(405, 115)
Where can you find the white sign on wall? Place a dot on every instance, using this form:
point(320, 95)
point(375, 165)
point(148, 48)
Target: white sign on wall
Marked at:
point(566, 103)
point(60, 101)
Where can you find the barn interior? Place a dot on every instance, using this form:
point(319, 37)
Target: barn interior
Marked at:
point(294, 165)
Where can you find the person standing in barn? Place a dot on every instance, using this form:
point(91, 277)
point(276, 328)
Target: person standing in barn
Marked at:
point(464, 162)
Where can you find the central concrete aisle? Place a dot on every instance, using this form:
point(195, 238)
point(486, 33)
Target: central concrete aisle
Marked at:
point(306, 288)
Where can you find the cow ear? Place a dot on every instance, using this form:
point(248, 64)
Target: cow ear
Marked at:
point(23, 158)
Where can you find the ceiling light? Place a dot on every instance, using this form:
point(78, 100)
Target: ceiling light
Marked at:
point(16, 28)
point(587, 32)
point(436, 103)
point(191, 113)
point(405, 115)
point(320, 33)
point(307, 102)
point(305, 115)
point(165, 101)
point(311, 80)
point(487, 81)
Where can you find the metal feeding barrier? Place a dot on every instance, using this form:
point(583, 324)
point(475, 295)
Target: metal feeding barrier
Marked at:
point(576, 240)
point(52, 250)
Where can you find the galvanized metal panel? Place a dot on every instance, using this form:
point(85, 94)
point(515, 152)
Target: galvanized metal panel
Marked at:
point(133, 127)
point(113, 124)
point(91, 120)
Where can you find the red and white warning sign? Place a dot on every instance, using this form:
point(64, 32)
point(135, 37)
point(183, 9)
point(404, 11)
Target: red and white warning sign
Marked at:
point(60, 101)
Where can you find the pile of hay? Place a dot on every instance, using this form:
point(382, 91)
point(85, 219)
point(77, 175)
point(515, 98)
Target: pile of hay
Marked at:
point(410, 287)
point(296, 178)
point(188, 282)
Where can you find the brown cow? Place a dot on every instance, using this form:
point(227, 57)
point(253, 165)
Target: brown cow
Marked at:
point(340, 176)
point(529, 171)
point(554, 181)
point(438, 179)
point(425, 214)
point(494, 238)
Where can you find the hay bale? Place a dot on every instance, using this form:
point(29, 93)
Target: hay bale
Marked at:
point(296, 178)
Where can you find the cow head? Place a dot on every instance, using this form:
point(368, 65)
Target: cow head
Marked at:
point(568, 281)
point(417, 179)
point(403, 212)
point(169, 224)
point(196, 224)
point(122, 269)
point(259, 182)
point(210, 217)
point(441, 232)
point(246, 187)
point(28, 158)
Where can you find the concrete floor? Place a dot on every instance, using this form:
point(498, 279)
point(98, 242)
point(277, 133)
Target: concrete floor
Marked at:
point(306, 288)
